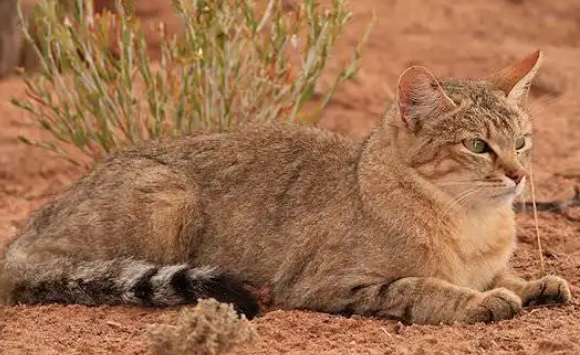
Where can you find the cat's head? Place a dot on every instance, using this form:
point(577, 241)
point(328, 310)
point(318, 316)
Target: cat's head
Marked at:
point(470, 138)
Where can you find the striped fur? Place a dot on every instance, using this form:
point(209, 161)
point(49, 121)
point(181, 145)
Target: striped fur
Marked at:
point(126, 281)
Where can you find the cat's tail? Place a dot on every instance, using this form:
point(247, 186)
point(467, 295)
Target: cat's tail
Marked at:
point(120, 281)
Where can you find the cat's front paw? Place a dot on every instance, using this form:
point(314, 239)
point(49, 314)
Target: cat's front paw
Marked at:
point(549, 289)
point(494, 305)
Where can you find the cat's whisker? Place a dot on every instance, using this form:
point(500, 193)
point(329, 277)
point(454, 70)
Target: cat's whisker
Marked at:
point(486, 185)
point(453, 183)
point(458, 200)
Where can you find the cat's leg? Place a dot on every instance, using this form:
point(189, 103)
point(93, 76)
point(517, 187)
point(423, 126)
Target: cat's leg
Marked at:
point(548, 289)
point(421, 300)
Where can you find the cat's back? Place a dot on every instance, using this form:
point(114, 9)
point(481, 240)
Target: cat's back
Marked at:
point(243, 179)
point(255, 154)
point(266, 138)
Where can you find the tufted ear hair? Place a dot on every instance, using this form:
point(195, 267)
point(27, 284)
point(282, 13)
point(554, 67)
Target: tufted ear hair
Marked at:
point(420, 96)
point(515, 80)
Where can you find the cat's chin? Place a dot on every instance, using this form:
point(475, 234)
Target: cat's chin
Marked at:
point(502, 199)
point(495, 199)
point(508, 195)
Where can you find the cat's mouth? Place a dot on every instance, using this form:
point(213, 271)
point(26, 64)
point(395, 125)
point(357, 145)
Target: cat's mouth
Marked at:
point(510, 191)
point(495, 192)
point(520, 186)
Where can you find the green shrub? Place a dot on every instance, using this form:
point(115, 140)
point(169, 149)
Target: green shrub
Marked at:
point(98, 89)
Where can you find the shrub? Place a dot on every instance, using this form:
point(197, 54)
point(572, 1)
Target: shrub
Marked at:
point(210, 328)
point(98, 89)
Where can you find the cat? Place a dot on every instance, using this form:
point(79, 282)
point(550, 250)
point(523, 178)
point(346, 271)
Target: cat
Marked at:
point(414, 223)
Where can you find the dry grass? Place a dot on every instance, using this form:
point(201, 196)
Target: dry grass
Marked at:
point(210, 328)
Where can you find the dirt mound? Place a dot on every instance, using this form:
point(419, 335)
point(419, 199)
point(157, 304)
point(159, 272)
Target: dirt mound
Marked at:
point(457, 38)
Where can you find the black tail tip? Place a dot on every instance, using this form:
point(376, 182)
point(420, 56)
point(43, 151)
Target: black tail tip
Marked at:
point(228, 289)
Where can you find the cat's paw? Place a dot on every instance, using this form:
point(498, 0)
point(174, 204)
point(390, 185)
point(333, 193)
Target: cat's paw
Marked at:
point(494, 305)
point(549, 289)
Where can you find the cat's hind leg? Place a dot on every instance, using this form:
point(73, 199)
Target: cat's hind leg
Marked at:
point(127, 233)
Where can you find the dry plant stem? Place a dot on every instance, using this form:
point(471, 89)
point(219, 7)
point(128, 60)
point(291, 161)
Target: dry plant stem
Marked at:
point(536, 221)
point(556, 206)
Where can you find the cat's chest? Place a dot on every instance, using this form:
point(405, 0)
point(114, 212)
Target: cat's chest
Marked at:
point(481, 248)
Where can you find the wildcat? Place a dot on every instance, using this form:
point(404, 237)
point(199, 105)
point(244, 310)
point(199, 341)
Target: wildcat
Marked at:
point(415, 222)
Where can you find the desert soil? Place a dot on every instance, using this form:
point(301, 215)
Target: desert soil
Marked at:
point(453, 38)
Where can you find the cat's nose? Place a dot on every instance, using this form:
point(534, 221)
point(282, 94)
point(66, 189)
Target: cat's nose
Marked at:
point(516, 175)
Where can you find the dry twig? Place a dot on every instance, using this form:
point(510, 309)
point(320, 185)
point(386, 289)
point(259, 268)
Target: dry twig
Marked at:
point(557, 206)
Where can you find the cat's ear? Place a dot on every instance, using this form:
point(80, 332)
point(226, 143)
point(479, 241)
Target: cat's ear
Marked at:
point(516, 79)
point(419, 96)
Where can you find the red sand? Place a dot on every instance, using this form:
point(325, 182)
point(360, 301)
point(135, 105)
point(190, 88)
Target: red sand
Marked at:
point(461, 38)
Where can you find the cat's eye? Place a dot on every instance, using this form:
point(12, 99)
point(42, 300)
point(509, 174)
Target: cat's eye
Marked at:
point(520, 143)
point(476, 145)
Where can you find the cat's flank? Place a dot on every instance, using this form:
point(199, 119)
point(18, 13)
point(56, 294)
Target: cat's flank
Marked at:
point(415, 222)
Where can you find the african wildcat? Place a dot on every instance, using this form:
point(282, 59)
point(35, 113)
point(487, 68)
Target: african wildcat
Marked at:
point(415, 222)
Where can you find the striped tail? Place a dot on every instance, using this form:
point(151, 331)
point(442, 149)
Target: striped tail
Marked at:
point(125, 281)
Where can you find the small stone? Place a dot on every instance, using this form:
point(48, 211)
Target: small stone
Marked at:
point(398, 328)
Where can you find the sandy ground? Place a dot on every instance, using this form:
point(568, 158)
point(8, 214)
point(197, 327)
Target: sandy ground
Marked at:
point(460, 38)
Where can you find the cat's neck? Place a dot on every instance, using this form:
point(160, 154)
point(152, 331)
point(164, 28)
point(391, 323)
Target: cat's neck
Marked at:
point(384, 180)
